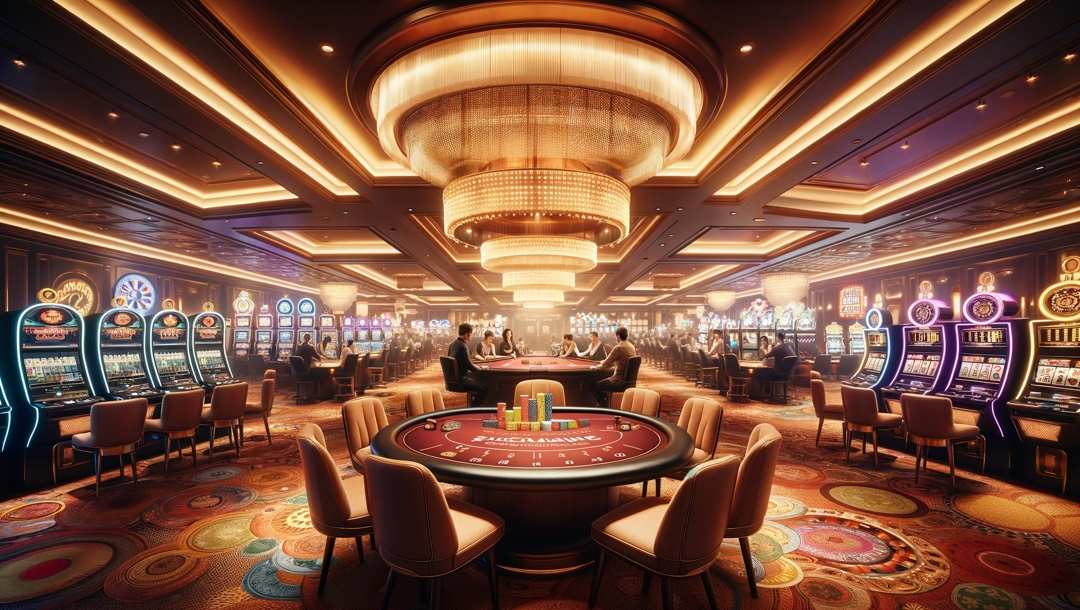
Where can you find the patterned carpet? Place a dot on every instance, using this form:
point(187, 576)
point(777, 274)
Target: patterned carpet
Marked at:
point(236, 533)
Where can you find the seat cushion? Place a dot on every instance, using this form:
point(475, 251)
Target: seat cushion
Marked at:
point(253, 408)
point(964, 431)
point(477, 530)
point(630, 530)
point(86, 440)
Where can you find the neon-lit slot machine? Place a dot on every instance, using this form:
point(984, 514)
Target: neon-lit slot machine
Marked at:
point(378, 336)
point(167, 348)
point(856, 333)
point(243, 307)
point(52, 382)
point(264, 333)
point(927, 349)
point(1046, 408)
point(207, 349)
point(363, 336)
point(328, 328)
point(806, 332)
point(879, 361)
point(834, 339)
point(305, 319)
point(348, 331)
point(117, 349)
point(990, 348)
point(284, 330)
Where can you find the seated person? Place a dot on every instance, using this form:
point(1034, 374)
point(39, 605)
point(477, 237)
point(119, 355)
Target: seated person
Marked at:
point(307, 351)
point(618, 358)
point(595, 351)
point(775, 370)
point(569, 348)
point(348, 350)
point(459, 351)
point(485, 350)
point(507, 347)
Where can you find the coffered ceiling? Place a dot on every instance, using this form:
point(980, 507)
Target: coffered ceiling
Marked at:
point(232, 135)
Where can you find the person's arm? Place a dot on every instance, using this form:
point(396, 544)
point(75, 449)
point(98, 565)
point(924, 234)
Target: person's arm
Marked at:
point(464, 362)
point(610, 360)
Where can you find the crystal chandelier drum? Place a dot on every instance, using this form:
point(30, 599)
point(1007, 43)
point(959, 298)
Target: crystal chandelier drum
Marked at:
point(338, 296)
point(782, 288)
point(531, 252)
point(538, 295)
point(539, 278)
point(720, 300)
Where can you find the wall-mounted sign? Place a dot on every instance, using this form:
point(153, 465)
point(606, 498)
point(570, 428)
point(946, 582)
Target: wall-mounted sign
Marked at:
point(926, 289)
point(77, 292)
point(242, 304)
point(137, 291)
point(852, 302)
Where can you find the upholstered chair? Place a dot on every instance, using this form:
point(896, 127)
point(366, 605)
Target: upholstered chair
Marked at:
point(419, 402)
point(338, 507)
point(822, 408)
point(432, 543)
point(752, 491)
point(181, 414)
point(226, 409)
point(530, 387)
point(701, 418)
point(929, 421)
point(116, 427)
point(642, 401)
point(262, 408)
point(363, 418)
point(676, 538)
point(861, 414)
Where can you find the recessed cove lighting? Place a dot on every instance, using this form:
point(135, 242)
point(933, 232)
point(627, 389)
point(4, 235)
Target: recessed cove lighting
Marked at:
point(759, 219)
point(175, 147)
point(905, 145)
point(981, 105)
point(746, 48)
point(20, 64)
point(113, 116)
point(216, 163)
point(325, 48)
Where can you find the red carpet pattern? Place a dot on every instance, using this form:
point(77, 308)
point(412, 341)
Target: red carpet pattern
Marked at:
point(236, 533)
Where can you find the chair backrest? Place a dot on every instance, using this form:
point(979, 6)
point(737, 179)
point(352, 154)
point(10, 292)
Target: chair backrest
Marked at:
point(363, 418)
point(788, 365)
point(531, 387)
point(731, 363)
point(927, 416)
point(270, 374)
point(183, 410)
point(849, 363)
point(823, 363)
point(633, 366)
point(817, 394)
point(754, 485)
point(641, 400)
point(701, 418)
point(298, 366)
point(420, 541)
point(419, 402)
point(327, 500)
point(118, 422)
point(228, 401)
point(266, 396)
point(692, 528)
point(860, 405)
point(451, 376)
point(348, 367)
point(360, 378)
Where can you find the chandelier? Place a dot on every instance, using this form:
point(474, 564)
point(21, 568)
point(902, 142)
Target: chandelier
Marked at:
point(338, 296)
point(783, 288)
point(536, 134)
point(720, 300)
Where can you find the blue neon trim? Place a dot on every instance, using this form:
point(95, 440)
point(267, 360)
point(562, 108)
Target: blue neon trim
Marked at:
point(189, 345)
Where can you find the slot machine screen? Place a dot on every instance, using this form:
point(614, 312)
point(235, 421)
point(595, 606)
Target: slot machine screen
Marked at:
point(376, 334)
point(209, 360)
point(171, 363)
point(243, 320)
point(264, 321)
point(1058, 373)
point(242, 336)
point(50, 376)
point(925, 365)
point(307, 322)
point(326, 321)
point(285, 321)
point(285, 336)
point(982, 368)
point(122, 367)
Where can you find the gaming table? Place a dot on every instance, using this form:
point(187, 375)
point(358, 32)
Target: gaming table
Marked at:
point(548, 486)
point(576, 375)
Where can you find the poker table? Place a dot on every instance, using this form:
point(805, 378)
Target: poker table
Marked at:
point(575, 374)
point(547, 486)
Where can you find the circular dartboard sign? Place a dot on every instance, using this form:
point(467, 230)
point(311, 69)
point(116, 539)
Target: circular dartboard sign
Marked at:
point(137, 291)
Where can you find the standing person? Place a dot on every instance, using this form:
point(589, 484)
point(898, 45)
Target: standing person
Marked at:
point(569, 348)
point(618, 359)
point(486, 348)
point(507, 347)
point(459, 351)
point(307, 351)
point(595, 351)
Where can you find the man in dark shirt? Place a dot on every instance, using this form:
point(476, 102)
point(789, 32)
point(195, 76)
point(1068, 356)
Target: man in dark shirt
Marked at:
point(777, 371)
point(459, 351)
point(307, 351)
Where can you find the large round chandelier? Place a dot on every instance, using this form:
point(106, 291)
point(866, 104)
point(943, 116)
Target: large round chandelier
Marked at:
point(536, 134)
point(783, 288)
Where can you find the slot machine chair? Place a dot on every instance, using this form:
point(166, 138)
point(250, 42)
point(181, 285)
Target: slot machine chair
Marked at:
point(226, 409)
point(261, 408)
point(450, 380)
point(822, 408)
point(823, 365)
point(782, 379)
point(345, 379)
point(861, 414)
point(738, 380)
point(848, 365)
point(303, 381)
point(362, 379)
point(929, 421)
point(116, 427)
point(181, 415)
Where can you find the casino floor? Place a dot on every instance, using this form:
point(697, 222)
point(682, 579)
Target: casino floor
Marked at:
point(235, 533)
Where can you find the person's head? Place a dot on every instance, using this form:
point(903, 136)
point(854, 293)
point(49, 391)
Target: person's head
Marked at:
point(568, 338)
point(508, 335)
point(307, 338)
point(594, 337)
point(489, 336)
point(464, 330)
point(621, 333)
point(326, 340)
point(780, 336)
point(716, 332)
point(349, 343)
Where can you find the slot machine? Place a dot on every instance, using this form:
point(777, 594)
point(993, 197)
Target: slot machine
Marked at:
point(305, 320)
point(363, 336)
point(264, 333)
point(50, 374)
point(328, 328)
point(989, 348)
point(834, 339)
point(1046, 408)
point(927, 349)
point(206, 349)
point(881, 339)
point(348, 331)
point(284, 329)
point(378, 339)
point(167, 350)
point(856, 333)
point(241, 327)
point(806, 332)
point(118, 361)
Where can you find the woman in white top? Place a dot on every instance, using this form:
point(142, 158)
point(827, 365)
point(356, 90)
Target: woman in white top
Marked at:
point(485, 350)
point(595, 350)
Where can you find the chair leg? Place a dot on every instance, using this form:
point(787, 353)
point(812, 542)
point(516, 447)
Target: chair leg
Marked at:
point(847, 444)
point(391, 580)
point(874, 434)
point(168, 451)
point(97, 473)
point(213, 433)
point(238, 438)
point(820, 425)
point(360, 548)
point(194, 458)
point(266, 424)
point(918, 458)
point(709, 593)
point(436, 593)
point(327, 557)
point(644, 488)
point(241, 432)
point(597, 575)
point(748, 563)
point(665, 592)
point(646, 582)
point(493, 581)
point(134, 468)
point(121, 465)
point(950, 451)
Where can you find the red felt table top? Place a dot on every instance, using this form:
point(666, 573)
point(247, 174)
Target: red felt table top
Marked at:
point(540, 363)
point(597, 444)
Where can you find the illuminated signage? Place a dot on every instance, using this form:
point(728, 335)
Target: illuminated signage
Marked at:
point(77, 293)
point(242, 304)
point(852, 302)
point(137, 291)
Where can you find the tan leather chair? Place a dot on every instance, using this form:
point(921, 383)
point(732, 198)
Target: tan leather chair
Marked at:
point(929, 421)
point(861, 414)
point(262, 408)
point(429, 544)
point(338, 506)
point(676, 538)
point(181, 414)
point(226, 409)
point(116, 427)
point(752, 492)
point(641, 400)
point(363, 418)
point(419, 402)
point(701, 418)
point(822, 408)
point(530, 387)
